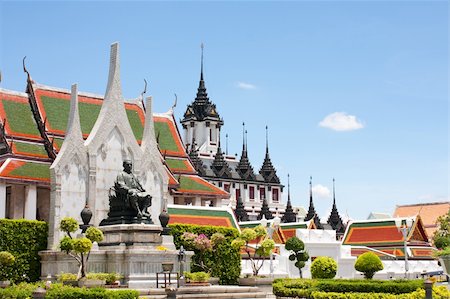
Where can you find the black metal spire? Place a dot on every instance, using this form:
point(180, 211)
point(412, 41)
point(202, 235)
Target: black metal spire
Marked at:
point(240, 212)
point(195, 159)
point(244, 168)
point(311, 209)
point(219, 165)
point(267, 170)
point(289, 215)
point(335, 219)
point(202, 107)
point(265, 211)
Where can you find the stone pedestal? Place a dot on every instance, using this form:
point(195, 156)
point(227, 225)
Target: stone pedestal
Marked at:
point(128, 236)
point(127, 249)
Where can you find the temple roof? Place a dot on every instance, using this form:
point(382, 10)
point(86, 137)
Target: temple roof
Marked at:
point(202, 216)
point(33, 127)
point(429, 213)
point(375, 233)
point(23, 170)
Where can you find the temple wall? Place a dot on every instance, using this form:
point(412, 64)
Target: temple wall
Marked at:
point(109, 161)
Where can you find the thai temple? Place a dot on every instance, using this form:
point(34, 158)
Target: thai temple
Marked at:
point(61, 149)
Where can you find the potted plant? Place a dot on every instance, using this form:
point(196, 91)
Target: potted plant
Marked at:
point(6, 260)
point(78, 248)
point(166, 266)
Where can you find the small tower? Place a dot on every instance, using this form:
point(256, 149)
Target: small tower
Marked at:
point(289, 215)
point(335, 219)
point(240, 212)
point(201, 120)
point(195, 159)
point(219, 166)
point(267, 170)
point(244, 168)
point(265, 211)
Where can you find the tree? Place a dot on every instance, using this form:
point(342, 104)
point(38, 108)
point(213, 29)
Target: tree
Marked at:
point(79, 248)
point(258, 251)
point(368, 263)
point(323, 267)
point(441, 238)
point(299, 254)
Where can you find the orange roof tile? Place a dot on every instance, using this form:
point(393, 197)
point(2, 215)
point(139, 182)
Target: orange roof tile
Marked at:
point(429, 213)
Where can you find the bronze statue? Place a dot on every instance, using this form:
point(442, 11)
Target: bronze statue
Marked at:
point(127, 183)
point(128, 200)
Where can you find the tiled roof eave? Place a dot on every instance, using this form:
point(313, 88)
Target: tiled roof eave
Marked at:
point(204, 194)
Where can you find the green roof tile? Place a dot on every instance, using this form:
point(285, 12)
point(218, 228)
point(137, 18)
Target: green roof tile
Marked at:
point(20, 119)
point(176, 164)
point(165, 138)
point(30, 148)
point(187, 183)
point(32, 170)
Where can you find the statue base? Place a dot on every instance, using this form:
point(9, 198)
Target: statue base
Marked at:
point(129, 249)
point(126, 236)
point(112, 220)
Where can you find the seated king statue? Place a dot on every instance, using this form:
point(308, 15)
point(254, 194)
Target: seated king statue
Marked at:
point(129, 201)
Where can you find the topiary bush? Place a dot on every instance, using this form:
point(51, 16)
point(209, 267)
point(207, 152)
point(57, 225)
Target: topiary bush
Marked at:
point(6, 261)
point(369, 264)
point(299, 254)
point(225, 261)
point(23, 239)
point(323, 267)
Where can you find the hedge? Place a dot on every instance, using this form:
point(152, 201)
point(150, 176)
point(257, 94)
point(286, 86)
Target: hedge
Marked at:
point(24, 239)
point(68, 292)
point(226, 261)
point(369, 286)
point(59, 291)
point(353, 289)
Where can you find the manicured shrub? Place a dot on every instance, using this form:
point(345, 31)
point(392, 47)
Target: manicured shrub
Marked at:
point(368, 263)
point(19, 291)
point(375, 286)
point(299, 254)
point(224, 261)
point(58, 291)
point(197, 276)
point(353, 289)
point(23, 239)
point(78, 248)
point(323, 267)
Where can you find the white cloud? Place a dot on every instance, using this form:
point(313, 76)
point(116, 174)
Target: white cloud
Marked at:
point(341, 121)
point(244, 85)
point(321, 191)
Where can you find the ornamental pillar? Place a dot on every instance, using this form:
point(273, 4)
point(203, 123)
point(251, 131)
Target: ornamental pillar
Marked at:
point(30, 202)
point(2, 200)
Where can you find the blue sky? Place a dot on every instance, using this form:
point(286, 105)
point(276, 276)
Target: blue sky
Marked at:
point(354, 90)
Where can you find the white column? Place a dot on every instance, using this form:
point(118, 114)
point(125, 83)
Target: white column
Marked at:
point(30, 202)
point(2, 200)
